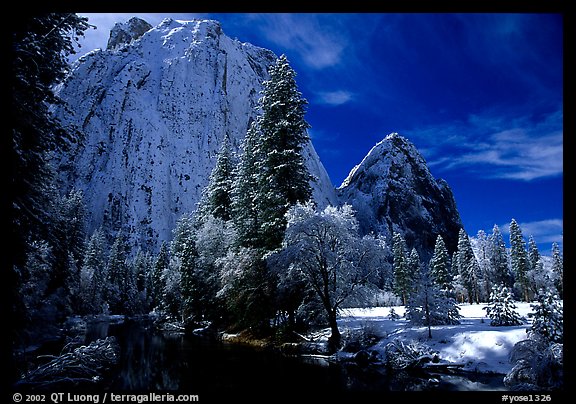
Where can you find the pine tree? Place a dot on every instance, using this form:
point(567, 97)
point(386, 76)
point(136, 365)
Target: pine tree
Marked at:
point(70, 234)
point(216, 198)
point(183, 248)
point(402, 275)
point(440, 265)
point(482, 249)
point(499, 259)
point(468, 267)
point(558, 269)
point(117, 268)
point(428, 305)
point(171, 300)
point(533, 254)
point(502, 308)
point(271, 176)
point(94, 273)
point(519, 260)
point(189, 283)
point(548, 319)
point(282, 177)
point(246, 215)
point(141, 267)
point(537, 277)
point(156, 276)
point(41, 44)
point(37, 59)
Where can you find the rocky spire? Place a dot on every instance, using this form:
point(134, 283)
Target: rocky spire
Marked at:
point(126, 32)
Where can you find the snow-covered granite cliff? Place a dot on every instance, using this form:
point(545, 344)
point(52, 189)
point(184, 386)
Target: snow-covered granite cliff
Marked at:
point(154, 108)
point(392, 190)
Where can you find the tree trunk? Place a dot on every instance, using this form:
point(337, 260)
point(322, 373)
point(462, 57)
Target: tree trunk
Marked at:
point(336, 338)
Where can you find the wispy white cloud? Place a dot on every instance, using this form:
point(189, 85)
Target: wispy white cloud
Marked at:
point(543, 231)
point(334, 98)
point(517, 148)
point(319, 45)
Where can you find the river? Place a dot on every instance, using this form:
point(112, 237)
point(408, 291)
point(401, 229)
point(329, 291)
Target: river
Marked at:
point(154, 361)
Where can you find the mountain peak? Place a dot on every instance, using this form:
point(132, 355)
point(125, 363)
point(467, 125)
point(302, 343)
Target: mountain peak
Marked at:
point(155, 108)
point(394, 149)
point(125, 32)
point(393, 190)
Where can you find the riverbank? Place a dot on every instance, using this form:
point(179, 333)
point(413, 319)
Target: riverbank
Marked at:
point(472, 346)
point(473, 352)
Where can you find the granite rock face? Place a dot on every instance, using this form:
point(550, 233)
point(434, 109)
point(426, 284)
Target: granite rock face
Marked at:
point(392, 190)
point(153, 109)
point(124, 33)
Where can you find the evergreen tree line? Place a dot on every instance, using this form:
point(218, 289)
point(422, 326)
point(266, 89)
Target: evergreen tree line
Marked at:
point(486, 272)
point(46, 238)
point(478, 265)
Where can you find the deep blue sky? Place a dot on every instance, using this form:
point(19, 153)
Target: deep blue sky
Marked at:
point(480, 95)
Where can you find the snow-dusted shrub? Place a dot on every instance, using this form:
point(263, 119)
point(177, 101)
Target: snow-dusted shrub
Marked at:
point(393, 315)
point(409, 355)
point(367, 335)
point(548, 317)
point(502, 308)
point(538, 365)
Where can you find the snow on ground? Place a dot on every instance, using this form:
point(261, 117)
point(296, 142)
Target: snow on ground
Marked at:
point(473, 343)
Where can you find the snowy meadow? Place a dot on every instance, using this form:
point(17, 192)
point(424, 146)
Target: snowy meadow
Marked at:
point(473, 343)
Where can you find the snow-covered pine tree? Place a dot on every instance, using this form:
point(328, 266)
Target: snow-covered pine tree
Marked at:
point(129, 299)
point(440, 265)
point(428, 305)
point(499, 259)
point(558, 269)
point(538, 277)
point(533, 254)
point(198, 250)
point(116, 269)
point(70, 234)
point(216, 198)
point(171, 302)
point(519, 260)
point(502, 308)
point(282, 177)
point(246, 215)
point(468, 267)
point(34, 283)
point(245, 285)
point(37, 59)
point(40, 46)
point(271, 176)
point(141, 267)
point(481, 249)
point(548, 320)
point(93, 273)
point(403, 281)
point(183, 250)
point(156, 281)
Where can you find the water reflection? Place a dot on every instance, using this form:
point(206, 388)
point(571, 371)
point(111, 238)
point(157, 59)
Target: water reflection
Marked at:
point(155, 361)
